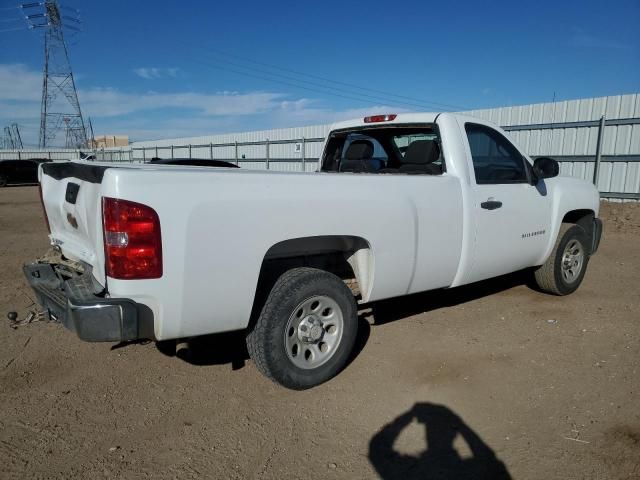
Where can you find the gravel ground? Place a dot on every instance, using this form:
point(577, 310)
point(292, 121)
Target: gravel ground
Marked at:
point(492, 380)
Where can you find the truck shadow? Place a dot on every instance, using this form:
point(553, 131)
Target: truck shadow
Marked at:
point(385, 311)
point(230, 348)
point(453, 449)
point(216, 349)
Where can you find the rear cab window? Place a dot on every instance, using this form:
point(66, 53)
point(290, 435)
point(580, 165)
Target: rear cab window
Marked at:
point(385, 149)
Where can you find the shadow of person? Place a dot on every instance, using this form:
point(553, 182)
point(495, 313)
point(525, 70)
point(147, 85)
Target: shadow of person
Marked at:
point(440, 460)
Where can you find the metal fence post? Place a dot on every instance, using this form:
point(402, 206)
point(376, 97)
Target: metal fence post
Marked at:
point(19, 156)
point(235, 142)
point(267, 151)
point(156, 151)
point(189, 151)
point(172, 152)
point(596, 168)
point(49, 155)
point(144, 155)
point(211, 150)
point(304, 168)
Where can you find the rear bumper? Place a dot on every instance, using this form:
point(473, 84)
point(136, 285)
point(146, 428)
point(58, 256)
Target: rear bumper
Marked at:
point(91, 317)
point(597, 234)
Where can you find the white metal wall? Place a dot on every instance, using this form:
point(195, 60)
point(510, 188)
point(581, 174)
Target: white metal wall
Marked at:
point(618, 140)
point(614, 176)
point(52, 154)
point(244, 152)
point(617, 173)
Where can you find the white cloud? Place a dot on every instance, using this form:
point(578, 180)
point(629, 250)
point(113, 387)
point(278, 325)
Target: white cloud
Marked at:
point(581, 39)
point(151, 73)
point(284, 116)
point(143, 115)
point(17, 82)
point(106, 102)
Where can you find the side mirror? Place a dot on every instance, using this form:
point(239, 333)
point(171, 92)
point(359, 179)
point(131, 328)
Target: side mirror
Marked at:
point(545, 167)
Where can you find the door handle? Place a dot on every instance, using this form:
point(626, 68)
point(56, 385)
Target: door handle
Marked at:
point(491, 204)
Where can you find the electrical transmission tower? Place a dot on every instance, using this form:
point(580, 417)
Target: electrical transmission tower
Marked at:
point(7, 141)
point(60, 109)
point(12, 138)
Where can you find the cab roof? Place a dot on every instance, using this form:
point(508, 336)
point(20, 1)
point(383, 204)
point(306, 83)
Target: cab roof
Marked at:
point(399, 119)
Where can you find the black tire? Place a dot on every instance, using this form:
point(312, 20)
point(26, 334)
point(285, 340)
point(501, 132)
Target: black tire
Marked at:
point(267, 342)
point(549, 277)
point(3, 181)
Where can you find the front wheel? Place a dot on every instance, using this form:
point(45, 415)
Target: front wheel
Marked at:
point(565, 268)
point(306, 330)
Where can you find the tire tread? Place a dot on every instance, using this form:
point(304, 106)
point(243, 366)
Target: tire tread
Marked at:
point(258, 338)
point(546, 275)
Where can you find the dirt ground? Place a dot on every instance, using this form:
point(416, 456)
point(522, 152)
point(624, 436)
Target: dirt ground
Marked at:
point(493, 380)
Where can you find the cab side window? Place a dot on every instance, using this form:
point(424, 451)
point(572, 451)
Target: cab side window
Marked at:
point(495, 159)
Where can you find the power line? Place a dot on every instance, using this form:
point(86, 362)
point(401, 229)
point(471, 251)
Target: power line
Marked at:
point(11, 29)
point(415, 101)
point(9, 23)
point(295, 85)
point(312, 86)
point(306, 85)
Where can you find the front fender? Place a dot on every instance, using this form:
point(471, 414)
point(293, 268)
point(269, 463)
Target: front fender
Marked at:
point(568, 194)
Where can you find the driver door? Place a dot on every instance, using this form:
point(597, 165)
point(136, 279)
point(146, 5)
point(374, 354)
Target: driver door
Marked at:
point(511, 216)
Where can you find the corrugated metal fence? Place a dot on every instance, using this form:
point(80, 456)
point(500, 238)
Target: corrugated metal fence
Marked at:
point(596, 139)
point(593, 137)
point(51, 154)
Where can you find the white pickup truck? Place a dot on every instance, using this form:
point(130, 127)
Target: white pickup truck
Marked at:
point(400, 204)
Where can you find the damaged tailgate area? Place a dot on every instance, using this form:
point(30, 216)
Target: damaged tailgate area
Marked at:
point(67, 290)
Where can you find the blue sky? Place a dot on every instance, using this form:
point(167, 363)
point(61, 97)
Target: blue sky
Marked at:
point(164, 69)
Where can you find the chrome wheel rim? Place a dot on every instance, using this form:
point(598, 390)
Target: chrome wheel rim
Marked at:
point(313, 332)
point(572, 261)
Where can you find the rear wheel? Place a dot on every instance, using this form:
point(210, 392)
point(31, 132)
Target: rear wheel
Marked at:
point(306, 330)
point(565, 268)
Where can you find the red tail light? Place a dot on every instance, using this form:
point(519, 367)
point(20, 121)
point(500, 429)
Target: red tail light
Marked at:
point(132, 240)
point(380, 118)
point(44, 210)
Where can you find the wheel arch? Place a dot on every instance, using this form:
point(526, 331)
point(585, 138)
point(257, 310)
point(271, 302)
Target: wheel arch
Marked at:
point(576, 216)
point(582, 217)
point(346, 256)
